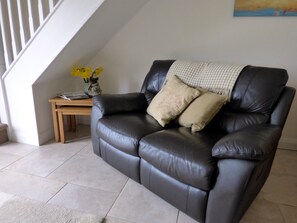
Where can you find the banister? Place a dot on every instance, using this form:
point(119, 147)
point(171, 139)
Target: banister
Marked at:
point(24, 22)
point(6, 38)
point(19, 21)
point(14, 28)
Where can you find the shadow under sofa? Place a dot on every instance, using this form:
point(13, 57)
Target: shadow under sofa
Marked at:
point(212, 175)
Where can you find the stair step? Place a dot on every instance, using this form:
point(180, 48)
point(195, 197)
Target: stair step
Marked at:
point(3, 133)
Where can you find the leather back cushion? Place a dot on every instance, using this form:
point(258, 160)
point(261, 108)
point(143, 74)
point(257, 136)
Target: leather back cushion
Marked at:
point(254, 95)
point(257, 89)
point(155, 78)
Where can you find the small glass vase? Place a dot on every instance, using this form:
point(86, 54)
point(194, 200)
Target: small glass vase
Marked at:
point(93, 87)
point(86, 88)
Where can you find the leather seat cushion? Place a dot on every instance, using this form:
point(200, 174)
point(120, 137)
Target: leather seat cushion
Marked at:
point(183, 155)
point(123, 131)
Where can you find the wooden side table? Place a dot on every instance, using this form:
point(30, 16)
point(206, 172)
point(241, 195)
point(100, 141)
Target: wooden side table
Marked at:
point(62, 107)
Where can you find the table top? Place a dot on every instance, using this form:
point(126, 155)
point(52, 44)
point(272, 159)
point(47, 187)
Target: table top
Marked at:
point(77, 102)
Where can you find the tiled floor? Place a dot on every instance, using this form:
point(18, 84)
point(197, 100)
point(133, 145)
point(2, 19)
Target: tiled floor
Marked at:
point(70, 175)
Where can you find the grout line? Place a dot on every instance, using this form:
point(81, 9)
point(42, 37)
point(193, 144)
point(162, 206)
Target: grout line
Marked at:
point(4, 168)
point(56, 193)
point(178, 212)
point(93, 188)
point(66, 160)
point(21, 157)
point(117, 198)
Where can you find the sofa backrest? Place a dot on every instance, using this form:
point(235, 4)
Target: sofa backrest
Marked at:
point(254, 96)
point(155, 78)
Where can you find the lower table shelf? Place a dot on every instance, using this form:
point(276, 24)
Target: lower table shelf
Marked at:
point(71, 108)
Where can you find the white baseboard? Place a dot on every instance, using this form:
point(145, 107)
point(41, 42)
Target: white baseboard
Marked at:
point(288, 143)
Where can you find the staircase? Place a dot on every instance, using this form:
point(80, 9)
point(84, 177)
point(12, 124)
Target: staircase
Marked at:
point(20, 21)
point(42, 39)
point(3, 133)
point(33, 33)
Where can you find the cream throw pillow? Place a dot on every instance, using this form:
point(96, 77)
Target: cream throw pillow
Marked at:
point(171, 100)
point(202, 110)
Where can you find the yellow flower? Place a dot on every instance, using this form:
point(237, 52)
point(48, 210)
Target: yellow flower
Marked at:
point(75, 71)
point(98, 71)
point(86, 72)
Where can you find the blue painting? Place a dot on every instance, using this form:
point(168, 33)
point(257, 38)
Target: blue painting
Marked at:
point(265, 8)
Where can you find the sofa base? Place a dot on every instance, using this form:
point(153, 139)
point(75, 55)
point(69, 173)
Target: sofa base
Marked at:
point(234, 192)
point(190, 200)
point(234, 166)
point(127, 164)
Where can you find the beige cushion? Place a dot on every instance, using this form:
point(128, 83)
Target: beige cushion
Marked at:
point(202, 110)
point(171, 100)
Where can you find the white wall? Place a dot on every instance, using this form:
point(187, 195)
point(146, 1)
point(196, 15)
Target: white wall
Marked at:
point(93, 36)
point(199, 30)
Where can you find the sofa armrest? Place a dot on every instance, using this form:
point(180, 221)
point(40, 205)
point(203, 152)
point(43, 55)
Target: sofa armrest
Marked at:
point(116, 103)
point(108, 104)
point(250, 143)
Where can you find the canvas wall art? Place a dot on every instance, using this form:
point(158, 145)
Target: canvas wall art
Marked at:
point(265, 8)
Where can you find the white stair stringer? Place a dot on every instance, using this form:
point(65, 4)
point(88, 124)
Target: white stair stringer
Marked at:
point(67, 20)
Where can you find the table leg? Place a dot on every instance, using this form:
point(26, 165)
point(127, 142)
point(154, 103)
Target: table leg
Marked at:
point(55, 121)
point(61, 126)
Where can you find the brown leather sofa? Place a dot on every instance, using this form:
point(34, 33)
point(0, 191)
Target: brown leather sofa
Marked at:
point(213, 175)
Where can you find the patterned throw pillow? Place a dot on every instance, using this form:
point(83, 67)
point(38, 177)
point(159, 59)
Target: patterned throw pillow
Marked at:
point(202, 110)
point(171, 100)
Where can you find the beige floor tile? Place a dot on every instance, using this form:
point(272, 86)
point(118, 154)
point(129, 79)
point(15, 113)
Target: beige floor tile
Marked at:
point(183, 218)
point(137, 204)
point(281, 189)
point(263, 211)
point(87, 151)
point(72, 147)
point(85, 199)
point(17, 148)
point(75, 162)
point(90, 171)
point(285, 163)
point(7, 159)
point(46, 159)
point(32, 187)
point(289, 213)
